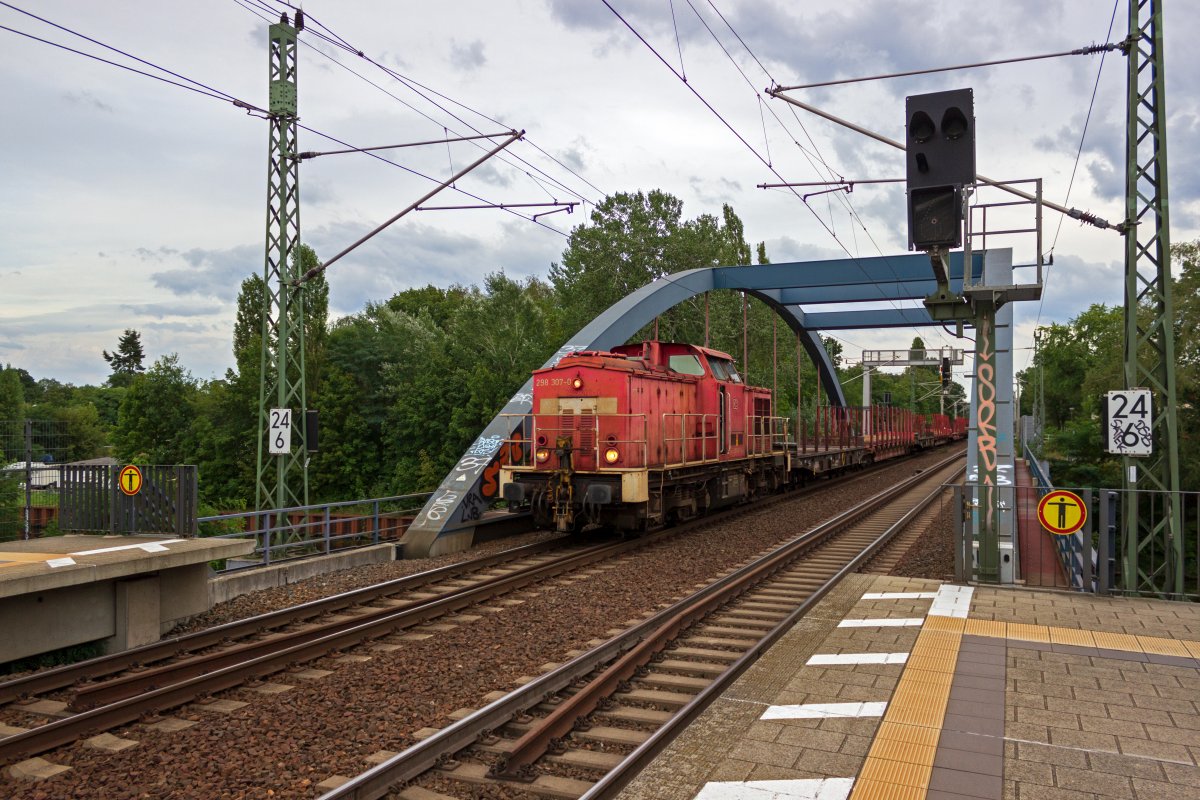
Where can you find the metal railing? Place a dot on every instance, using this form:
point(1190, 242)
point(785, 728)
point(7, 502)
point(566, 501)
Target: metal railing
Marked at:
point(698, 440)
point(282, 534)
point(1093, 559)
point(604, 431)
point(1071, 548)
point(767, 436)
point(707, 427)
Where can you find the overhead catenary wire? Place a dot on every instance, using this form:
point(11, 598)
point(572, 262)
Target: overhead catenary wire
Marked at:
point(716, 113)
point(816, 151)
point(225, 97)
point(534, 218)
point(421, 90)
point(222, 97)
point(1074, 168)
point(200, 86)
point(1079, 51)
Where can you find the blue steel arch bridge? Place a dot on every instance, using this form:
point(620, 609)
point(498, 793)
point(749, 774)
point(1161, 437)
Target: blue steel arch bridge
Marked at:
point(449, 519)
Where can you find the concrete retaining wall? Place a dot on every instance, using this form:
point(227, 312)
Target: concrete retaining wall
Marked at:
point(235, 584)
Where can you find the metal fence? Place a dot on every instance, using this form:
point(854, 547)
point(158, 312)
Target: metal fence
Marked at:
point(282, 534)
point(30, 453)
point(90, 500)
point(1093, 558)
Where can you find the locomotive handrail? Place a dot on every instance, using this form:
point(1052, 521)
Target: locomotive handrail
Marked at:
point(703, 438)
point(528, 446)
point(769, 432)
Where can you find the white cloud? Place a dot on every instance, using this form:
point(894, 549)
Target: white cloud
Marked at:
point(131, 203)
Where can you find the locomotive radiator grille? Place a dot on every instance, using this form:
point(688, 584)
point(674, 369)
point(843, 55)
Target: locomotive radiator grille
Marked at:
point(587, 432)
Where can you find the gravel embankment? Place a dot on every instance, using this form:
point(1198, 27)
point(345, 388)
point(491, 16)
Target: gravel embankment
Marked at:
point(282, 745)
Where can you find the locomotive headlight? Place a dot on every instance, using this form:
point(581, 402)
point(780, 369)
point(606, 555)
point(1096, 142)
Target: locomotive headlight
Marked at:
point(542, 455)
point(611, 455)
point(577, 383)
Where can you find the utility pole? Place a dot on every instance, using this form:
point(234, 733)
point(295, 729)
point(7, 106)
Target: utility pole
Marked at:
point(1152, 555)
point(282, 403)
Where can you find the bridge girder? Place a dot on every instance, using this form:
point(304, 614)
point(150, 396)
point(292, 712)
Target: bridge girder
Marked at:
point(446, 523)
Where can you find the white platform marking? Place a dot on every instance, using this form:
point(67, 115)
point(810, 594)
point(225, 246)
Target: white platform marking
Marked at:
point(825, 711)
point(806, 789)
point(881, 622)
point(952, 601)
point(857, 658)
point(899, 595)
point(149, 547)
point(65, 561)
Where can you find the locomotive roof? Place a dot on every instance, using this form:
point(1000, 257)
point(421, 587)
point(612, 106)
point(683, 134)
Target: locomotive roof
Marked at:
point(629, 356)
point(625, 350)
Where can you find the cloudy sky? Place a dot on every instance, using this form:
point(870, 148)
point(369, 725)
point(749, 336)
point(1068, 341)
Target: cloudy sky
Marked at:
point(126, 202)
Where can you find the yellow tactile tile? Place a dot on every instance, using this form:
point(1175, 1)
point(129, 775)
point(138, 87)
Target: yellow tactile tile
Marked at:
point(1072, 636)
point(937, 622)
point(944, 654)
point(1163, 647)
point(931, 663)
point(919, 695)
point(1193, 648)
point(919, 714)
point(986, 627)
point(939, 638)
point(878, 790)
point(914, 675)
point(944, 658)
point(1028, 633)
point(898, 772)
point(904, 752)
point(913, 734)
point(1117, 641)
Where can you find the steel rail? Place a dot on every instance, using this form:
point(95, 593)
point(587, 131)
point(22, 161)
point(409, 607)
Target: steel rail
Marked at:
point(67, 675)
point(619, 777)
point(111, 691)
point(64, 731)
point(428, 753)
point(102, 666)
point(561, 721)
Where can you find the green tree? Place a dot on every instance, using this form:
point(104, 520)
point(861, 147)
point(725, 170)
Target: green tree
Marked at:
point(316, 320)
point(12, 395)
point(627, 245)
point(1186, 295)
point(126, 362)
point(85, 436)
point(157, 415)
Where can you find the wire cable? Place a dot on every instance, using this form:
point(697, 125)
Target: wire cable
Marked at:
point(1070, 184)
point(841, 197)
point(65, 29)
point(410, 83)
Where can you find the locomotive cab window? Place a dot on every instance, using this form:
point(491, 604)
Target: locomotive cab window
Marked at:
point(724, 370)
point(686, 364)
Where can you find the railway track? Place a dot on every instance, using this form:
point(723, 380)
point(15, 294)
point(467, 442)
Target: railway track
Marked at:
point(111, 691)
point(585, 728)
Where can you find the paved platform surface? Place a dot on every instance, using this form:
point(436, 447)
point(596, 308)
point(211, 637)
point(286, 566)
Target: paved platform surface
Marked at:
point(906, 689)
point(37, 565)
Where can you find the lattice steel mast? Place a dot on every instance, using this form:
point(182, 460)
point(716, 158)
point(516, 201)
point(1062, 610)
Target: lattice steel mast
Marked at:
point(282, 479)
point(1152, 557)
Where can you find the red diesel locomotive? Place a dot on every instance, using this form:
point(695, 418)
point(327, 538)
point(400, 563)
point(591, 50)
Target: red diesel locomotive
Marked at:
point(652, 433)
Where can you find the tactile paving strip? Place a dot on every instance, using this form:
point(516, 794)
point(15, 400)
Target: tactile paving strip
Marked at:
point(900, 761)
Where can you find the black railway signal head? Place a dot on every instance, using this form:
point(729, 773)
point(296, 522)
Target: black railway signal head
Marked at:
point(940, 160)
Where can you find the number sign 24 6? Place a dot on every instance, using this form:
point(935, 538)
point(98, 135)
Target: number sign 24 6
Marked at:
point(279, 437)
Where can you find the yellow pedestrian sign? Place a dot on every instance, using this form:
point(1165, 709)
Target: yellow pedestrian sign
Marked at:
point(1062, 512)
point(130, 480)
